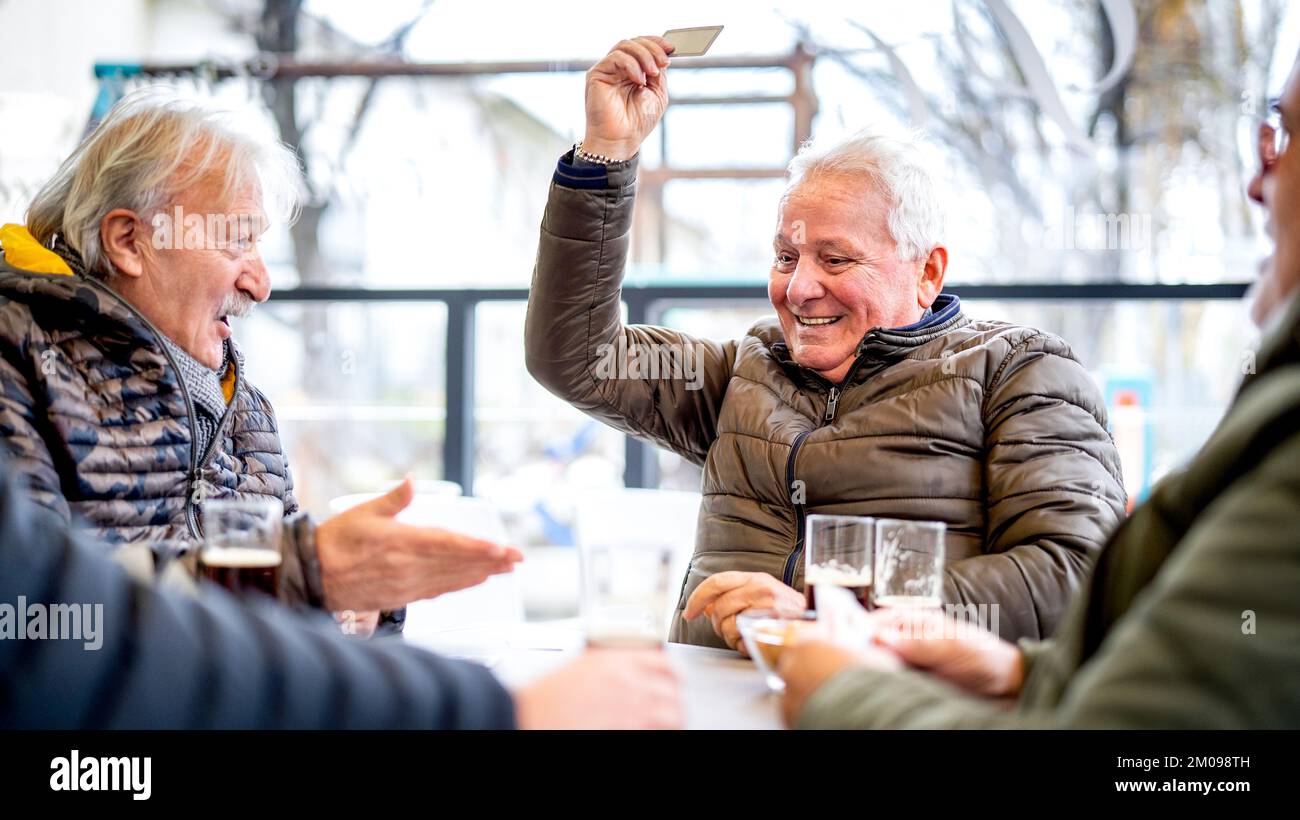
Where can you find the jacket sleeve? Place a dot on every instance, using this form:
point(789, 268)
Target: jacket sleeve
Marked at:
point(168, 661)
point(1212, 642)
point(649, 382)
point(1053, 489)
point(300, 579)
point(20, 418)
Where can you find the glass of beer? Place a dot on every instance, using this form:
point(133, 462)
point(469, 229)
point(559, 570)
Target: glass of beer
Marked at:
point(838, 551)
point(241, 545)
point(909, 563)
point(766, 633)
point(625, 589)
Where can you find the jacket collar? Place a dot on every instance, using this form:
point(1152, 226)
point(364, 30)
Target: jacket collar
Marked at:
point(884, 346)
point(80, 297)
point(1280, 347)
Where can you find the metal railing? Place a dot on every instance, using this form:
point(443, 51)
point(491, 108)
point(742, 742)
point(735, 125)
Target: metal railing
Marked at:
point(645, 304)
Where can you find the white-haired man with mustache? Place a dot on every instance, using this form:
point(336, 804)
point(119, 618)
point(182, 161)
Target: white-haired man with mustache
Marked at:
point(123, 398)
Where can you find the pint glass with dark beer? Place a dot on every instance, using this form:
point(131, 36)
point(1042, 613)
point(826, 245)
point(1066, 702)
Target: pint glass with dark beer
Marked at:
point(839, 551)
point(241, 545)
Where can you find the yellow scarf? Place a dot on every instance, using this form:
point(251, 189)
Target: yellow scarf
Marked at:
point(23, 251)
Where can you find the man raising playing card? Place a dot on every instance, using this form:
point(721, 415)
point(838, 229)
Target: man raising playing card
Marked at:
point(870, 393)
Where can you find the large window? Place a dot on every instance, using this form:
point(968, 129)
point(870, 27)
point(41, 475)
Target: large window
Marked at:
point(426, 192)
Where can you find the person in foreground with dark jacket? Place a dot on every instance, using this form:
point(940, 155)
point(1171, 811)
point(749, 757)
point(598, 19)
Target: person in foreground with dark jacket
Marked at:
point(159, 660)
point(123, 397)
point(1191, 618)
point(869, 393)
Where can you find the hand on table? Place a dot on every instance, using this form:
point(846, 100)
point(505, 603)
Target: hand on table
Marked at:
point(807, 664)
point(960, 653)
point(725, 595)
point(604, 689)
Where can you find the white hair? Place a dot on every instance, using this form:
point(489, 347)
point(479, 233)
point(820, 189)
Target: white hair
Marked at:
point(150, 147)
point(896, 167)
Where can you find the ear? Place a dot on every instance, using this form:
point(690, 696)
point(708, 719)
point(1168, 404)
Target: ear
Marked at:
point(931, 282)
point(123, 238)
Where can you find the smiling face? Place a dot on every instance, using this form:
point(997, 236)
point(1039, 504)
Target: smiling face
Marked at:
point(203, 274)
point(836, 273)
point(1277, 187)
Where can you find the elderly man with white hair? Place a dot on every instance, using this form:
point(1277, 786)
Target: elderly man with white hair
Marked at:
point(869, 393)
point(123, 398)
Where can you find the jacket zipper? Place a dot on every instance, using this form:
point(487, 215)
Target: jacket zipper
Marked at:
point(832, 407)
point(787, 575)
point(832, 404)
point(191, 479)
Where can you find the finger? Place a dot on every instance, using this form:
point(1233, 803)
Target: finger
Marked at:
point(729, 632)
point(923, 653)
point(921, 642)
point(496, 566)
point(657, 83)
point(463, 547)
point(713, 586)
point(664, 46)
point(644, 59)
point(668, 47)
point(392, 502)
point(441, 584)
point(614, 68)
point(657, 51)
point(731, 604)
point(644, 56)
point(625, 66)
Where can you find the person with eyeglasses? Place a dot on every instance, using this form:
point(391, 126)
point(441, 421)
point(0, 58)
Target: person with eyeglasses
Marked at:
point(1191, 616)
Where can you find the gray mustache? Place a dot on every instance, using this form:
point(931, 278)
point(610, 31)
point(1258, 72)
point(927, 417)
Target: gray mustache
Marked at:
point(236, 305)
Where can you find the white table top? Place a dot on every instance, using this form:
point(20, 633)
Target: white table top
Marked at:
point(720, 689)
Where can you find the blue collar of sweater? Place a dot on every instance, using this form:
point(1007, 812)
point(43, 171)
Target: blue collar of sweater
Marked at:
point(944, 308)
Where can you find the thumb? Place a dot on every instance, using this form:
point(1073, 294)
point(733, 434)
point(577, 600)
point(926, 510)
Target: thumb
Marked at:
point(392, 502)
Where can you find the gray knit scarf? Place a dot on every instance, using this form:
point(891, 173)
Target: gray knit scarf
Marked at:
point(204, 386)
